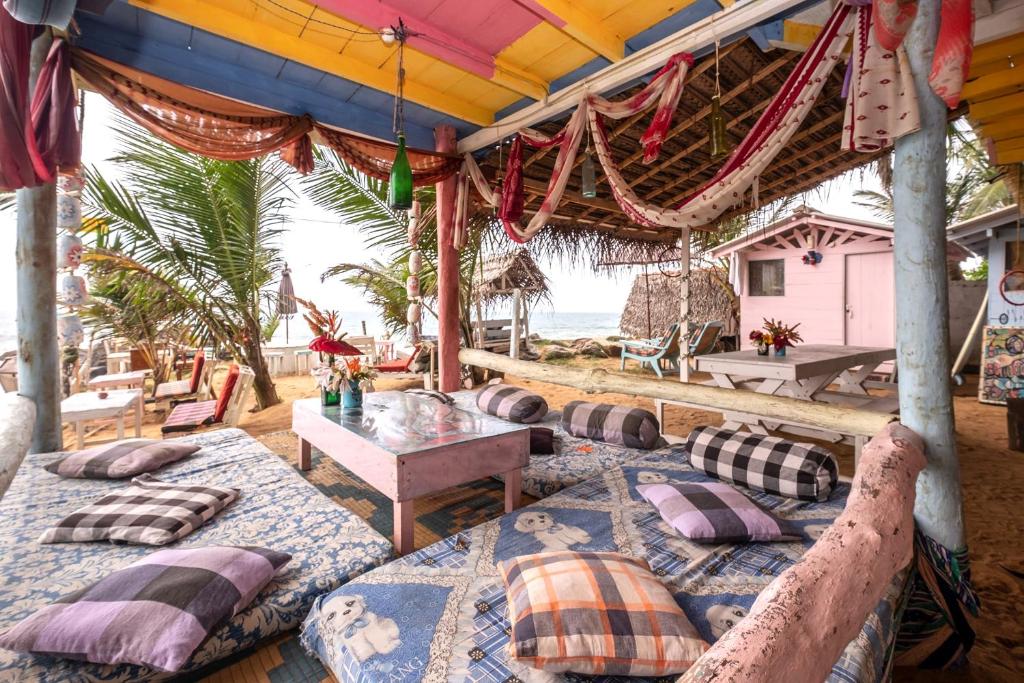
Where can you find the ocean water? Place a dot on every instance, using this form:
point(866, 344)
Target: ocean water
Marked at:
point(548, 324)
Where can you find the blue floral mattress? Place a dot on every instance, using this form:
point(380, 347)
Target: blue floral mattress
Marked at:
point(440, 614)
point(575, 459)
point(276, 509)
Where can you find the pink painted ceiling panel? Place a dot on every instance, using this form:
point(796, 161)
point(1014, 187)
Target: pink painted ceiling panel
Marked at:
point(490, 24)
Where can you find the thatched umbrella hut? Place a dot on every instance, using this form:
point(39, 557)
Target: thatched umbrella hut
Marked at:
point(514, 277)
point(711, 298)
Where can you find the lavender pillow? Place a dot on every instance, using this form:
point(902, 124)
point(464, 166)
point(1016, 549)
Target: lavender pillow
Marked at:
point(125, 458)
point(154, 612)
point(716, 513)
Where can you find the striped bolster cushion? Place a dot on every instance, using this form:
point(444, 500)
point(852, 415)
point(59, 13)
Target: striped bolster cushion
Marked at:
point(512, 403)
point(764, 463)
point(124, 458)
point(630, 427)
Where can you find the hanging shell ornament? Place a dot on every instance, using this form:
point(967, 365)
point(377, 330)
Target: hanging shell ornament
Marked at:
point(412, 286)
point(73, 291)
point(69, 183)
point(69, 251)
point(70, 331)
point(412, 331)
point(415, 261)
point(69, 212)
point(412, 315)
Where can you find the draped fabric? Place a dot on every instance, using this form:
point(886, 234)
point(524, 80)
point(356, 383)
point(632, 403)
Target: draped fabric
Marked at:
point(881, 101)
point(20, 163)
point(194, 120)
point(936, 630)
point(53, 112)
point(374, 158)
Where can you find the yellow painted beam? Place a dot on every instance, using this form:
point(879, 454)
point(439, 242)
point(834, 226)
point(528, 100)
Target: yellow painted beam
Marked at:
point(1012, 156)
point(999, 51)
point(210, 17)
point(584, 27)
point(518, 80)
point(991, 110)
point(994, 85)
point(1010, 144)
point(1007, 127)
point(799, 34)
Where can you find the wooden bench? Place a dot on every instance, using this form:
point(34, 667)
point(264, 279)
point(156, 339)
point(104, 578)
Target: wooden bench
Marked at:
point(494, 335)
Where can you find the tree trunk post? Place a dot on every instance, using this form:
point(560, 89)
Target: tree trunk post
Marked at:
point(39, 367)
point(922, 295)
point(513, 346)
point(684, 306)
point(449, 333)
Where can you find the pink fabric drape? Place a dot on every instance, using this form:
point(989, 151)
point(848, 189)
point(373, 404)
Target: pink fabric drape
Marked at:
point(53, 112)
point(20, 162)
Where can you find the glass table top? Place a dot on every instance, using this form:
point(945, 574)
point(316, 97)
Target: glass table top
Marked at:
point(405, 423)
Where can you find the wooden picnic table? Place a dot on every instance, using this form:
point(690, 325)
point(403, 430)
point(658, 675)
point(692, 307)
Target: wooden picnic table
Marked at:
point(805, 372)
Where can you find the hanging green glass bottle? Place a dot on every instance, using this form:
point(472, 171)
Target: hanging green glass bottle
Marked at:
point(588, 185)
point(400, 183)
point(719, 146)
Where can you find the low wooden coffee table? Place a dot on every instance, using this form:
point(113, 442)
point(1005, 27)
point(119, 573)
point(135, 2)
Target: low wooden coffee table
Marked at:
point(409, 446)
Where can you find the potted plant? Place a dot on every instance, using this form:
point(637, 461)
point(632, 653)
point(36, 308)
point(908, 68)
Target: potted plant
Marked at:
point(357, 378)
point(328, 342)
point(780, 335)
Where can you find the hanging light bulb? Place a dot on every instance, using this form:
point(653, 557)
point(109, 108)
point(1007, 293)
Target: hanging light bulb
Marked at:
point(588, 186)
point(716, 122)
point(400, 180)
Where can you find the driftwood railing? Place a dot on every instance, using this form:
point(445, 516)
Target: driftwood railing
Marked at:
point(823, 416)
point(17, 416)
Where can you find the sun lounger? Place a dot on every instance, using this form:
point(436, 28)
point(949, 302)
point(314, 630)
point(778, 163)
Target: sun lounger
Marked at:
point(277, 509)
point(653, 352)
point(196, 386)
point(441, 613)
point(226, 410)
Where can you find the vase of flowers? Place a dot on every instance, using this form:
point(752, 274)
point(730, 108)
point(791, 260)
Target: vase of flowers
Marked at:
point(328, 341)
point(762, 341)
point(775, 335)
point(357, 378)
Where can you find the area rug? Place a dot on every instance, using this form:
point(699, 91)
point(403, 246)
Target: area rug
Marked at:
point(282, 660)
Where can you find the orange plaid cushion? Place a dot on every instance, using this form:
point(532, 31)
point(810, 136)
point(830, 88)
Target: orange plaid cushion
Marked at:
point(596, 613)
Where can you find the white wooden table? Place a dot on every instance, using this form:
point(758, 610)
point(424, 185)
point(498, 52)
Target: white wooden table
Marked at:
point(128, 380)
point(88, 405)
point(805, 372)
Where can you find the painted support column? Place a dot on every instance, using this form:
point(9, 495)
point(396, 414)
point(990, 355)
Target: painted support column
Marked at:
point(513, 347)
point(449, 335)
point(684, 306)
point(922, 295)
point(36, 258)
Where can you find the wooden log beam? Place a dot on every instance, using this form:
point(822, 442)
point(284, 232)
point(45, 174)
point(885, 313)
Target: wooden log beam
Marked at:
point(817, 415)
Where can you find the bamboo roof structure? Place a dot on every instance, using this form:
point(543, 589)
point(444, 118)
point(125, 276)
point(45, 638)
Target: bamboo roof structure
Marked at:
point(501, 274)
point(710, 299)
point(749, 79)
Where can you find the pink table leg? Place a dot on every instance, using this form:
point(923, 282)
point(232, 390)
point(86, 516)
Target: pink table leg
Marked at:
point(403, 520)
point(305, 454)
point(513, 489)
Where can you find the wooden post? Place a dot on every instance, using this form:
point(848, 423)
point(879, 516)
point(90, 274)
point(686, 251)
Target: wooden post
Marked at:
point(36, 258)
point(513, 347)
point(526, 322)
point(684, 306)
point(448, 272)
point(922, 295)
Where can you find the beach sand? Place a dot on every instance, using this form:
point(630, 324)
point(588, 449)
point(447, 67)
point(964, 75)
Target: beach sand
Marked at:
point(993, 486)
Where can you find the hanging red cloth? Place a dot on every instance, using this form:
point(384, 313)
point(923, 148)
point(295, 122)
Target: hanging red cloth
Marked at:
point(20, 163)
point(53, 113)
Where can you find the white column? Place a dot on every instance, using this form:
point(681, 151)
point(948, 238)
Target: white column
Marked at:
point(684, 305)
point(517, 296)
point(922, 296)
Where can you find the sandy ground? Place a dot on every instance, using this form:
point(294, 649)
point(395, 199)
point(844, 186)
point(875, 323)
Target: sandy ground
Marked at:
point(993, 489)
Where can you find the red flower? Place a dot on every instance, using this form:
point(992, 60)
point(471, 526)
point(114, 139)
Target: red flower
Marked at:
point(756, 336)
point(333, 347)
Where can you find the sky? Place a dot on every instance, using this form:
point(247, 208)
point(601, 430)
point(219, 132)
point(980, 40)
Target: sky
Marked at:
point(315, 240)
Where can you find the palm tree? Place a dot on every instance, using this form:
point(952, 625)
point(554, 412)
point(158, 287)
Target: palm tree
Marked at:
point(197, 232)
point(361, 202)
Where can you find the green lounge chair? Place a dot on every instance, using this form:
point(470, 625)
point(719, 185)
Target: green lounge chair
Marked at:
point(702, 340)
point(653, 351)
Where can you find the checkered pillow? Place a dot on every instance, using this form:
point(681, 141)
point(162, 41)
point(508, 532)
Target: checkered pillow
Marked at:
point(716, 513)
point(154, 612)
point(120, 459)
point(511, 403)
point(631, 427)
point(764, 463)
point(596, 613)
point(149, 512)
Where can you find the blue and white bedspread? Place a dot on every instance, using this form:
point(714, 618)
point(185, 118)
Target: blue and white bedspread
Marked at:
point(575, 459)
point(440, 614)
point(276, 509)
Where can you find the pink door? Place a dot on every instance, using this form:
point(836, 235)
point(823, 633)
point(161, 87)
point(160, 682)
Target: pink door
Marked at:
point(870, 308)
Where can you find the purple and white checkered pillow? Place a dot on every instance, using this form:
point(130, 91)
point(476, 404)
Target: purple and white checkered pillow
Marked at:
point(716, 513)
point(512, 403)
point(154, 612)
point(121, 459)
point(150, 512)
point(764, 463)
point(630, 427)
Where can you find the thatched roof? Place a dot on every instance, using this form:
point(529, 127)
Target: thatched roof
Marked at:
point(499, 275)
point(708, 301)
point(749, 79)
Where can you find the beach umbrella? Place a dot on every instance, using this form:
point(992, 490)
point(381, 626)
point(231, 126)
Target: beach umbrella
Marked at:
point(286, 305)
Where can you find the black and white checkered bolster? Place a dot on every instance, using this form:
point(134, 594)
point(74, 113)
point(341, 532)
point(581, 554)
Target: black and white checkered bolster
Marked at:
point(764, 463)
point(512, 403)
point(621, 425)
